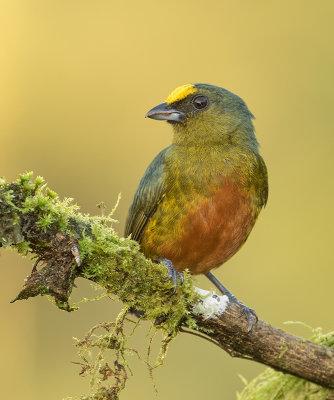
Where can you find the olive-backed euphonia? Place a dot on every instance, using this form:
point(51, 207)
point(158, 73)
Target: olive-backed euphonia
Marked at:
point(200, 197)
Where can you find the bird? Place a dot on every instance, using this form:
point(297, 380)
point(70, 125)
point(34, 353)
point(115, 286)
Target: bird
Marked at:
point(199, 198)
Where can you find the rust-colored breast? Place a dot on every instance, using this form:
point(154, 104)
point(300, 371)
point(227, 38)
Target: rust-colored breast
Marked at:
point(205, 237)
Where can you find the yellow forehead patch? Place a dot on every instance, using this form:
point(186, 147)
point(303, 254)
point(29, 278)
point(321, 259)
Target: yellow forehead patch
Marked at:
point(181, 93)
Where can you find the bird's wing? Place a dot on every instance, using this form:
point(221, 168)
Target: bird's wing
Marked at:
point(151, 190)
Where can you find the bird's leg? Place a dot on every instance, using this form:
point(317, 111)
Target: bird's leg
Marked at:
point(172, 272)
point(249, 312)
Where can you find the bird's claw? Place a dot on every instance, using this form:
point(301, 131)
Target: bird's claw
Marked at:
point(249, 313)
point(172, 272)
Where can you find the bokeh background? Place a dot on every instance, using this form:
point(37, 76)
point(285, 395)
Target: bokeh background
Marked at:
point(77, 78)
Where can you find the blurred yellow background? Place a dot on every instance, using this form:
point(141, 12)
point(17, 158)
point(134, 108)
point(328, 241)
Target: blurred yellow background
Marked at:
point(76, 79)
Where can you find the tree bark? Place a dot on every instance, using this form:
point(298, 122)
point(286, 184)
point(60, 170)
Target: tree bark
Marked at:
point(36, 222)
point(271, 346)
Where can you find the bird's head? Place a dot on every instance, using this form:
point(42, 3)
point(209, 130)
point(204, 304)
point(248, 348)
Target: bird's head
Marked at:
point(203, 114)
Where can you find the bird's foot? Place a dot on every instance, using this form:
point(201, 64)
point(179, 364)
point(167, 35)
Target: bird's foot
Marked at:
point(248, 312)
point(172, 272)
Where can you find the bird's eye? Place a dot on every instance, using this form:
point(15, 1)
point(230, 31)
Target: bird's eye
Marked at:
point(200, 102)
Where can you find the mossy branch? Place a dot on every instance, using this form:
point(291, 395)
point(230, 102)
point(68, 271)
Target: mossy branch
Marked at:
point(68, 245)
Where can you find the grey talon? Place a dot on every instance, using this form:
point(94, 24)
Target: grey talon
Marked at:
point(248, 312)
point(172, 272)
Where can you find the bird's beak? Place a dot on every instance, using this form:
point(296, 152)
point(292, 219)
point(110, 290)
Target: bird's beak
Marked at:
point(161, 112)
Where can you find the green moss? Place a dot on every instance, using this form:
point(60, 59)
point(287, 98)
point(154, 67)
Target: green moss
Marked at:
point(115, 263)
point(273, 385)
point(23, 248)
